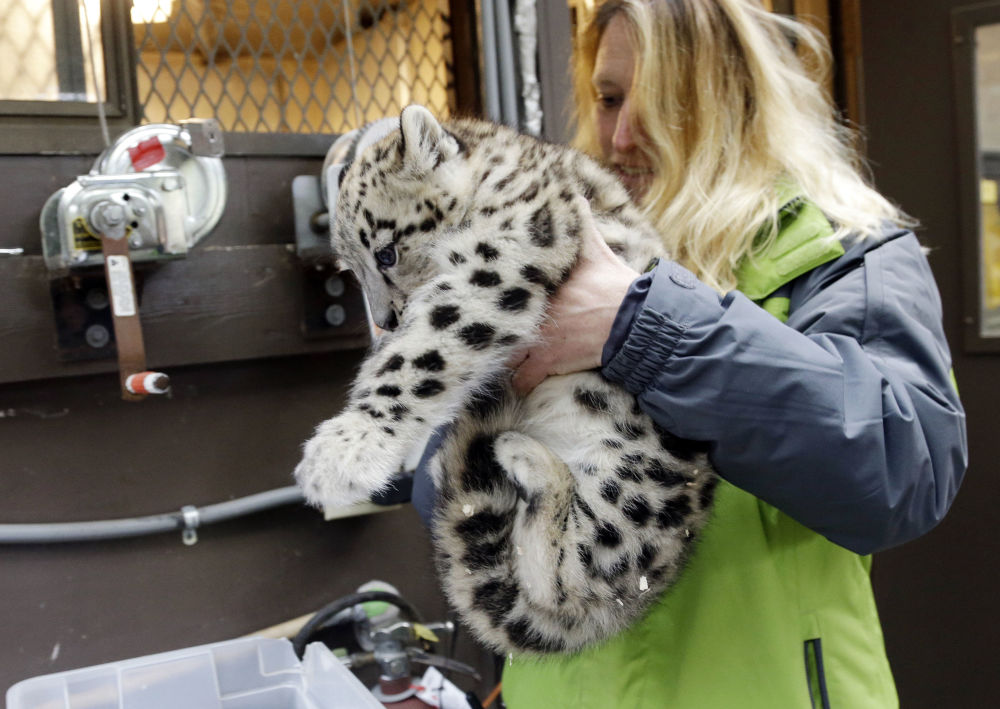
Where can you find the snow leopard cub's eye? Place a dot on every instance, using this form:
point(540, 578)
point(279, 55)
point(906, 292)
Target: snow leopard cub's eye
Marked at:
point(386, 256)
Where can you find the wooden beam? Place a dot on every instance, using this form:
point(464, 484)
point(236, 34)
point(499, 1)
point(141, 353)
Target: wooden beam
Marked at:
point(220, 303)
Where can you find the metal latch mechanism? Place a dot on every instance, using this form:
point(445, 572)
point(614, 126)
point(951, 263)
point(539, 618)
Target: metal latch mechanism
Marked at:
point(150, 197)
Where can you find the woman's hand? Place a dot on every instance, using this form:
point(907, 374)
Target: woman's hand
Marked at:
point(581, 314)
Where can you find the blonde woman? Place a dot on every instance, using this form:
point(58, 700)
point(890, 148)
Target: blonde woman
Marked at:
point(797, 331)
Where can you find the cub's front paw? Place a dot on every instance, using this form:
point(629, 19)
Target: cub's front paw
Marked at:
point(346, 461)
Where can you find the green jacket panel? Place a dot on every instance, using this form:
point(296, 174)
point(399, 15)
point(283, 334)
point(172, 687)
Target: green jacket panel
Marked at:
point(767, 614)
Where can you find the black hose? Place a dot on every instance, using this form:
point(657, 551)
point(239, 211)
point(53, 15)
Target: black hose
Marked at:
point(327, 612)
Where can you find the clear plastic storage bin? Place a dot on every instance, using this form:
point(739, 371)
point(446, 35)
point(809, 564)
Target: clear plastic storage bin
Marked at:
point(249, 673)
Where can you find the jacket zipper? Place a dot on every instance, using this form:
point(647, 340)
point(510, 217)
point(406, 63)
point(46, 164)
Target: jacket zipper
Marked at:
point(815, 676)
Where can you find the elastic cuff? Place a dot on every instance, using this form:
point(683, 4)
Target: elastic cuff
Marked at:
point(650, 344)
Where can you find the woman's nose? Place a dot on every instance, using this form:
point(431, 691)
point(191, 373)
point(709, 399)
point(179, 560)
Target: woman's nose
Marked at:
point(622, 139)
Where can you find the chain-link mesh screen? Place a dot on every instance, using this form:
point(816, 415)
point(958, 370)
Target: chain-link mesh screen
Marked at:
point(291, 66)
point(45, 50)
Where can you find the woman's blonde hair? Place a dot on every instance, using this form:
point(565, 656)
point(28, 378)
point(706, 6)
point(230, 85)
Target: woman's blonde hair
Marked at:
point(729, 105)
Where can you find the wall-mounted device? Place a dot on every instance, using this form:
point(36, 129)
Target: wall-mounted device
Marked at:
point(149, 197)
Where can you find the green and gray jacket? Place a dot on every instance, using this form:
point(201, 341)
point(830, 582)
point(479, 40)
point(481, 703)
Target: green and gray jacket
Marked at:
point(824, 390)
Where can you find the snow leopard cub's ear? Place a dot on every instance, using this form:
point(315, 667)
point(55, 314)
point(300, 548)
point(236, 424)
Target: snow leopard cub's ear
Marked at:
point(425, 144)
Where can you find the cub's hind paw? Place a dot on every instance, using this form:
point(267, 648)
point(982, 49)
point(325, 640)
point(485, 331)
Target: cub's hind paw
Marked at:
point(347, 461)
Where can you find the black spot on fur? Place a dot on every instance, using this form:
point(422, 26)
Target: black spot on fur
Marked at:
point(428, 224)
point(662, 475)
point(637, 510)
point(398, 411)
point(646, 556)
point(506, 340)
point(523, 635)
point(388, 390)
point(504, 182)
point(444, 315)
point(482, 524)
point(629, 473)
point(431, 360)
point(391, 365)
point(514, 299)
point(428, 388)
point(707, 493)
point(487, 252)
point(673, 512)
point(585, 554)
point(607, 535)
point(533, 274)
point(584, 507)
point(529, 194)
point(629, 430)
point(541, 228)
point(593, 400)
point(611, 490)
point(487, 398)
point(456, 258)
point(613, 444)
point(363, 236)
point(615, 571)
point(485, 279)
point(389, 431)
point(482, 472)
point(496, 598)
point(679, 447)
point(484, 554)
point(477, 335)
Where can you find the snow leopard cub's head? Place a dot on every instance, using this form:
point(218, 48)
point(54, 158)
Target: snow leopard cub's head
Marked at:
point(397, 198)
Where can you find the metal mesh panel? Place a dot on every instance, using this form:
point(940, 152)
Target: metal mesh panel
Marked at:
point(291, 66)
point(44, 50)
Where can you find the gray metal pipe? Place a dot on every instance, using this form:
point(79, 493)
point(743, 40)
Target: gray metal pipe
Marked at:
point(506, 64)
point(186, 518)
point(491, 79)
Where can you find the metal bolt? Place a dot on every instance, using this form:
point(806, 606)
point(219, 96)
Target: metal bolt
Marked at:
point(135, 241)
point(96, 299)
point(334, 286)
point(97, 336)
point(112, 213)
point(336, 315)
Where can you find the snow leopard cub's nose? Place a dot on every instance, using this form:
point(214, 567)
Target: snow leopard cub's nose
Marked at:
point(391, 322)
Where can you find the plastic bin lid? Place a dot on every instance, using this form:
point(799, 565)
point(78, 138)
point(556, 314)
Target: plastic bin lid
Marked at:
point(249, 673)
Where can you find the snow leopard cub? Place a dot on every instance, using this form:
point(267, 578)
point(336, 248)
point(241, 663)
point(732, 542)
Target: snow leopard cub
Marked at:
point(564, 514)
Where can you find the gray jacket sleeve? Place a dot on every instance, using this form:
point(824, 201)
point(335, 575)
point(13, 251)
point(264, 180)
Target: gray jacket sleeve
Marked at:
point(845, 417)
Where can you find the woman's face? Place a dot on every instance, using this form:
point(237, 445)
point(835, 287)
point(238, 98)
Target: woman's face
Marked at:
point(612, 81)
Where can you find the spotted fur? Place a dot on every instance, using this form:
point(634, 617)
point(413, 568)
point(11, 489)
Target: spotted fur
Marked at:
point(564, 514)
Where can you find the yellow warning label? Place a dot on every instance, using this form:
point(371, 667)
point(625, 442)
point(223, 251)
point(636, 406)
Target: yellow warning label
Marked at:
point(83, 238)
point(86, 240)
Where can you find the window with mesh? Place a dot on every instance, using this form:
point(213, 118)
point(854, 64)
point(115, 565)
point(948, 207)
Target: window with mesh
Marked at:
point(45, 52)
point(291, 66)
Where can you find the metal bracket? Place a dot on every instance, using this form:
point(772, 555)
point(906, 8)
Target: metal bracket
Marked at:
point(191, 518)
point(328, 296)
